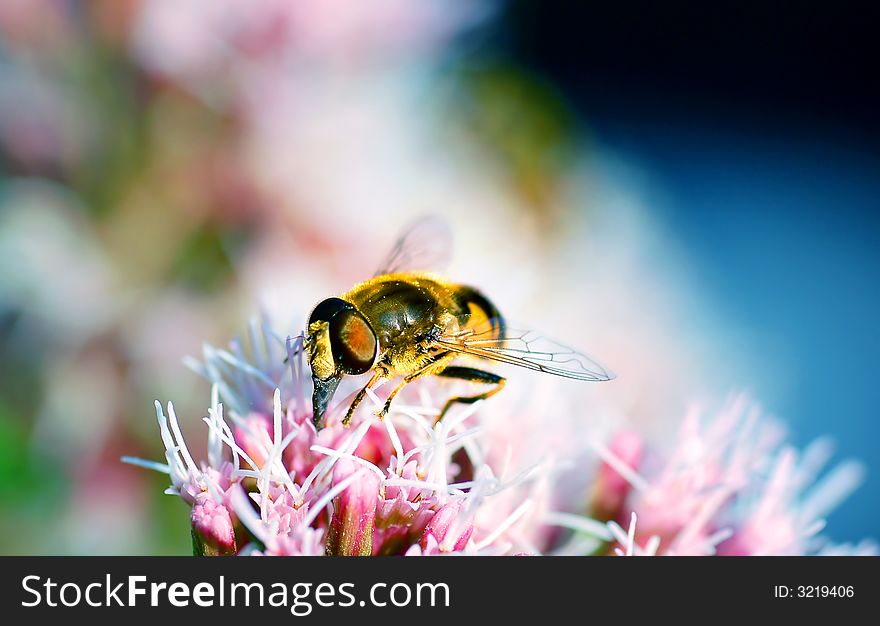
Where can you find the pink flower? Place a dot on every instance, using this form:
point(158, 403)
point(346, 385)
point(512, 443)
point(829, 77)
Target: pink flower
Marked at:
point(725, 487)
point(272, 485)
point(402, 514)
point(446, 532)
point(212, 528)
point(354, 511)
point(611, 488)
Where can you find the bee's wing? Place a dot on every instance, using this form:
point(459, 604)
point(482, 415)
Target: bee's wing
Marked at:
point(426, 246)
point(526, 348)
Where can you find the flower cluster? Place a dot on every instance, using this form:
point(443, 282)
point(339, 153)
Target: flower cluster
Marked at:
point(404, 485)
point(273, 484)
point(727, 486)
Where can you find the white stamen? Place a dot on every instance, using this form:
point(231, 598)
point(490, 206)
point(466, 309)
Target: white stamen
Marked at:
point(395, 440)
point(718, 537)
point(653, 544)
point(813, 459)
point(324, 500)
point(348, 447)
point(631, 536)
point(215, 444)
point(294, 347)
point(152, 465)
point(331, 452)
point(626, 472)
point(579, 523)
point(695, 525)
point(175, 428)
point(273, 460)
point(244, 366)
point(619, 535)
point(195, 366)
point(416, 415)
point(832, 489)
point(246, 514)
point(507, 523)
point(226, 436)
point(423, 485)
point(815, 528)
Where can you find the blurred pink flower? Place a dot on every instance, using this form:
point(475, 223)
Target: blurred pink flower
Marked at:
point(611, 487)
point(727, 486)
point(205, 38)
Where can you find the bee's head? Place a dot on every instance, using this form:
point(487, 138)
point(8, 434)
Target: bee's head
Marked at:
point(340, 341)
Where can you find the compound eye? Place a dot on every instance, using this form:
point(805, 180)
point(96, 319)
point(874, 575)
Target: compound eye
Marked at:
point(354, 342)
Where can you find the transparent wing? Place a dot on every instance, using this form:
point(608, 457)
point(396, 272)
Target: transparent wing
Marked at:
point(425, 246)
point(526, 348)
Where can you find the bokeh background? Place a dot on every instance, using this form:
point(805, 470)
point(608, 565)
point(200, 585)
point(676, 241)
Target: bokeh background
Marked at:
point(688, 191)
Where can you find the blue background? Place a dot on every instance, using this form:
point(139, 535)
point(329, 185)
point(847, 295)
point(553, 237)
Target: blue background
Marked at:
point(757, 123)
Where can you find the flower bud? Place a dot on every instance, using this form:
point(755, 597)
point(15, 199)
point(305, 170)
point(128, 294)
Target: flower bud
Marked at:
point(212, 528)
point(354, 511)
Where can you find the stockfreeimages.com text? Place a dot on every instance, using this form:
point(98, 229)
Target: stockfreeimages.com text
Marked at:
point(299, 598)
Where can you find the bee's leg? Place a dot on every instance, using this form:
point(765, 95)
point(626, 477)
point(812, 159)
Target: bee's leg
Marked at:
point(430, 368)
point(360, 396)
point(292, 353)
point(381, 413)
point(471, 375)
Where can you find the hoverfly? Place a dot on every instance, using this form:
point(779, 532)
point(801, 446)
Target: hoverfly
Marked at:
point(407, 322)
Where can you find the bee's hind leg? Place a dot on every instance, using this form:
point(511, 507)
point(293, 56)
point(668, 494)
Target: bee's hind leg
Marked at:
point(471, 375)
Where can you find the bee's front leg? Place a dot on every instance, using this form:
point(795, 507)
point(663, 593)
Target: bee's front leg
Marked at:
point(377, 376)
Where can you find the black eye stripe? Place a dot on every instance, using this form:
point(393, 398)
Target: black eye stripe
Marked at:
point(328, 309)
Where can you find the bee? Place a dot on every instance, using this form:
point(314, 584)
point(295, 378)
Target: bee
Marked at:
point(407, 323)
